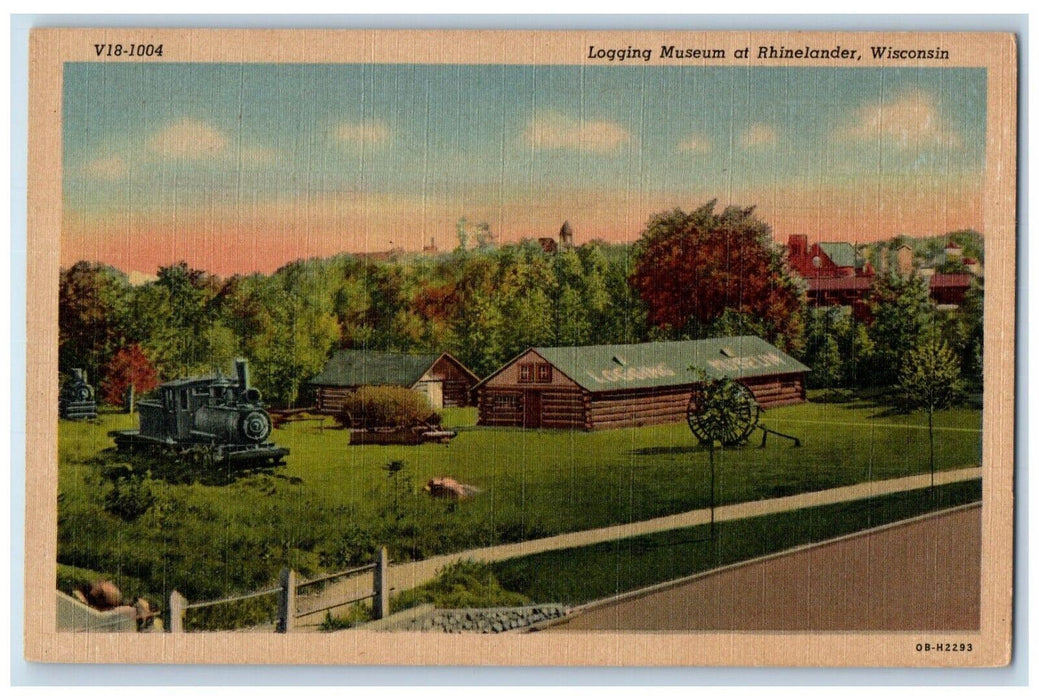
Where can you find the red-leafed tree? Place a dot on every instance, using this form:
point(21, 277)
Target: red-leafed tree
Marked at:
point(702, 273)
point(129, 366)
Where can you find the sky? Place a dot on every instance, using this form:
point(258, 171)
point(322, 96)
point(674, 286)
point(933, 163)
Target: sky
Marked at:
point(238, 168)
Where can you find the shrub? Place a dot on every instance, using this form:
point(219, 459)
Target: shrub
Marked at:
point(130, 498)
point(356, 614)
point(385, 406)
point(464, 584)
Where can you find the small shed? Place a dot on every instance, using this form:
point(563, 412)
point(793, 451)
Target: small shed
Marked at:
point(613, 386)
point(444, 380)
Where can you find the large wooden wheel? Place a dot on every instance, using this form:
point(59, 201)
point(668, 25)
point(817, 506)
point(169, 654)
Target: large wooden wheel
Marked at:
point(723, 411)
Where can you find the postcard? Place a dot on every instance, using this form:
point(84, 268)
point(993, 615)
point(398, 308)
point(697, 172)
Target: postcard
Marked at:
point(521, 347)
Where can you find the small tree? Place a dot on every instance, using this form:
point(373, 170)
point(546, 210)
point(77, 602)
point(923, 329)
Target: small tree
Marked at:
point(930, 379)
point(393, 470)
point(129, 372)
point(721, 411)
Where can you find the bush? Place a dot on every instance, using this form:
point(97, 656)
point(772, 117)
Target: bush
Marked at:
point(357, 614)
point(385, 407)
point(130, 498)
point(464, 584)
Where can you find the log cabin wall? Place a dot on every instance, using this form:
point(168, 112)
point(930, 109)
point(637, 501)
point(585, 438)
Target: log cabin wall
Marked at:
point(564, 408)
point(457, 381)
point(558, 407)
point(775, 391)
point(330, 398)
point(500, 407)
point(637, 407)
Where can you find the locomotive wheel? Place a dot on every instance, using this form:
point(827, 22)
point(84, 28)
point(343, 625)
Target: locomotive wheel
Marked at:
point(255, 426)
point(724, 411)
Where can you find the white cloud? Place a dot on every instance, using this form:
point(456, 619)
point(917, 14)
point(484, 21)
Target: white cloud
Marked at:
point(696, 144)
point(366, 132)
point(759, 135)
point(188, 139)
point(907, 121)
point(557, 131)
point(110, 168)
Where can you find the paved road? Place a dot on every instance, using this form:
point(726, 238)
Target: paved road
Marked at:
point(411, 574)
point(924, 574)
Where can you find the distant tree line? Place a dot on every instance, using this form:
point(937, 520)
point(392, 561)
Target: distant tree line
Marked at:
point(690, 275)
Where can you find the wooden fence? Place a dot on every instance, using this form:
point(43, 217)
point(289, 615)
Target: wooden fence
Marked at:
point(288, 590)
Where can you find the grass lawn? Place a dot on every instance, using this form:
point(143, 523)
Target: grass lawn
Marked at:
point(583, 574)
point(333, 504)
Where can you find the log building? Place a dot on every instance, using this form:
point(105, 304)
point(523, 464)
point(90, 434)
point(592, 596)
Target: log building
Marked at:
point(445, 381)
point(615, 386)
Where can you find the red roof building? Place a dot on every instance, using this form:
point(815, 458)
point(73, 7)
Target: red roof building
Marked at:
point(950, 288)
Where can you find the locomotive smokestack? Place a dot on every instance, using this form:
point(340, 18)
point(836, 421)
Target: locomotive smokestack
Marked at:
point(242, 370)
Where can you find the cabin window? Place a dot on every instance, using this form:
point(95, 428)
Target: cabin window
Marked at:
point(544, 372)
point(184, 399)
point(526, 372)
point(506, 402)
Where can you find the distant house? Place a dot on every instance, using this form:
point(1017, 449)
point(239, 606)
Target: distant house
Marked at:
point(904, 256)
point(615, 386)
point(825, 260)
point(950, 288)
point(445, 381)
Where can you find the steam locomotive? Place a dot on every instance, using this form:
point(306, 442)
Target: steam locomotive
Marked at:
point(76, 401)
point(211, 420)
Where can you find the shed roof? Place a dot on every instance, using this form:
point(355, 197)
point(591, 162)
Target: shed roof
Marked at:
point(644, 365)
point(361, 367)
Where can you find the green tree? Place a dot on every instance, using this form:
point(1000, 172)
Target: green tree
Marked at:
point(624, 319)
point(92, 309)
point(829, 347)
point(171, 319)
point(930, 379)
point(902, 311)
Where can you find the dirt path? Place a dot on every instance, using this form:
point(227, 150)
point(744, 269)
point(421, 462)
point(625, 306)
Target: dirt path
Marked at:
point(411, 574)
point(923, 574)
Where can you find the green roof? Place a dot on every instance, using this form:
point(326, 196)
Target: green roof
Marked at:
point(842, 254)
point(363, 368)
point(611, 367)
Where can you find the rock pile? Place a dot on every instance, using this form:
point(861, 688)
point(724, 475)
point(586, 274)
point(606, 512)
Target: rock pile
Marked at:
point(484, 621)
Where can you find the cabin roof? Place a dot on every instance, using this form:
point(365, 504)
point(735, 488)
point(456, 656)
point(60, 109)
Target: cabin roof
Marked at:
point(365, 368)
point(645, 365)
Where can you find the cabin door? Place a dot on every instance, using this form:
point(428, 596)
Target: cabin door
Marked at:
point(531, 409)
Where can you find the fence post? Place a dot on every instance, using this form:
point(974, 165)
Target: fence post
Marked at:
point(287, 602)
point(381, 602)
point(177, 605)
